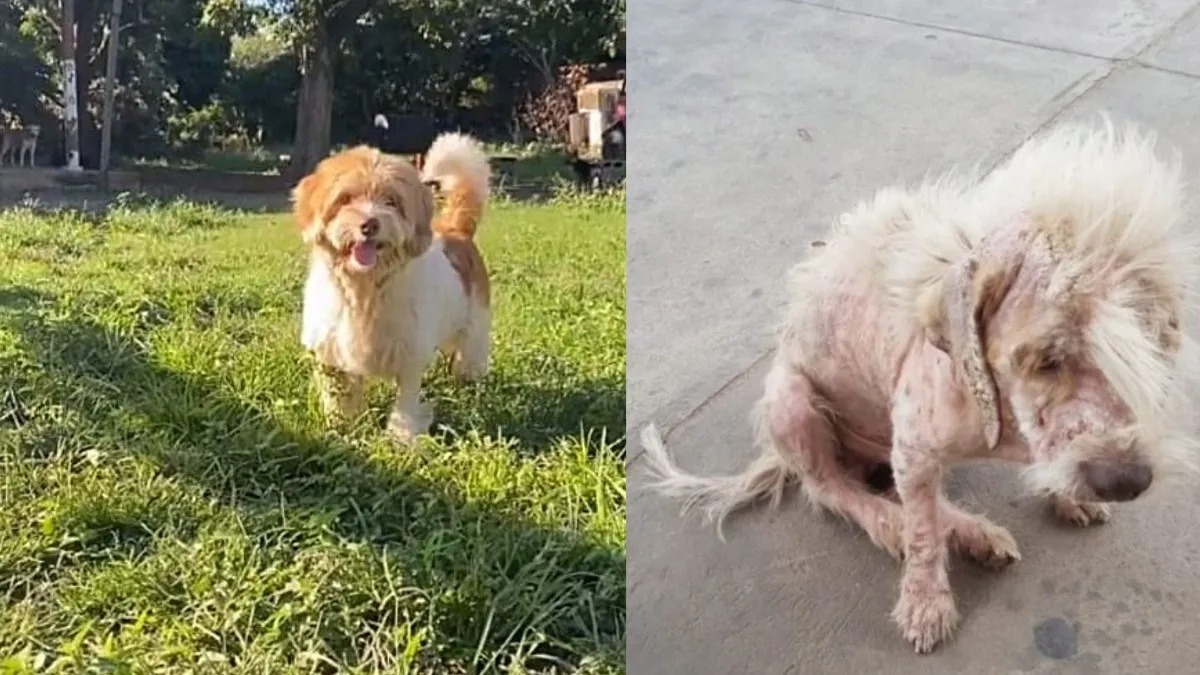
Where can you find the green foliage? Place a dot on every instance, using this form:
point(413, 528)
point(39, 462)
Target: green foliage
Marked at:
point(25, 74)
point(174, 502)
point(193, 131)
point(233, 64)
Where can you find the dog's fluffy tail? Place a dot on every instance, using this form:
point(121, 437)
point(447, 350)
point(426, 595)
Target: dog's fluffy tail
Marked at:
point(458, 165)
point(717, 496)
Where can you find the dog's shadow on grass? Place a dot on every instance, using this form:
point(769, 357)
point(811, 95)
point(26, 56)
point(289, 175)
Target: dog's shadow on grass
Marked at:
point(239, 455)
point(538, 413)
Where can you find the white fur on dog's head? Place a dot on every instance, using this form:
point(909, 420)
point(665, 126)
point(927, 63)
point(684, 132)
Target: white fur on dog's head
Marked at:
point(1061, 289)
point(366, 211)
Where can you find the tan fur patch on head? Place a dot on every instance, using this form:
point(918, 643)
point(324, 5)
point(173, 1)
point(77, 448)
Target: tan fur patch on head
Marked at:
point(364, 172)
point(1159, 309)
point(990, 285)
point(1046, 358)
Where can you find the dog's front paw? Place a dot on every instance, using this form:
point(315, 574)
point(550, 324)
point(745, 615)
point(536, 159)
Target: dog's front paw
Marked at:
point(467, 370)
point(405, 426)
point(987, 544)
point(1080, 514)
point(926, 617)
point(341, 395)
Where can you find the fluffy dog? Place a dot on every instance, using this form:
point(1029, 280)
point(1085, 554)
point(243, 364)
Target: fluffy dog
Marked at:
point(19, 144)
point(390, 284)
point(1036, 315)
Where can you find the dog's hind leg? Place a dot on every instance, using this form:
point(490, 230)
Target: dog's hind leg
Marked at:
point(792, 421)
point(472, 353)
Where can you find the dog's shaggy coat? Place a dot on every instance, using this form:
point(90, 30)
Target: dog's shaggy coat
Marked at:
point(1036, 315)
point(389, 282)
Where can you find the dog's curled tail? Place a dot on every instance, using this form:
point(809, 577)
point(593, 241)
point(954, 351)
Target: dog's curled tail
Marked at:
point(458, 166)
point(717, 496)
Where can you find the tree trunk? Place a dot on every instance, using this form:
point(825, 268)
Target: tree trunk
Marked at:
point(87, 13)
point(314, 109)
point(70, 102)
point(110, 76)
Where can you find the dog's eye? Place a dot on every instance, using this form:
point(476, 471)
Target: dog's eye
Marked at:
point(1049, 364)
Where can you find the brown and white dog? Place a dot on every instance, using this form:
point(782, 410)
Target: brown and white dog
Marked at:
point(17, 144)
point(390, 284)
point(1041, 315)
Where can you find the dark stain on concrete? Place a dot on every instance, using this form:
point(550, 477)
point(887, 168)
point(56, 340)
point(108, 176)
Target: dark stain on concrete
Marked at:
point(1056, 638)
point(1120, 608)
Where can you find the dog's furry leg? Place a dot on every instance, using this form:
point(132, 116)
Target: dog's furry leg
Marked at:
point(410, 416)
point(342, 394)
point(1078, 513)
point(923, 427)
point(925, 611)
point(472, 355)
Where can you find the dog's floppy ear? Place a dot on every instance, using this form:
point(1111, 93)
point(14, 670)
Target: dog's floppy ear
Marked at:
point(305, 205)
point(956, 313)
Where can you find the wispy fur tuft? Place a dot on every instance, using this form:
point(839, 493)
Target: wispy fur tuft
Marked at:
point(716, 496)
point(459, 167)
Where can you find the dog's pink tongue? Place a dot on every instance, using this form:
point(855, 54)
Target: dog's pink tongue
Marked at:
point(365, 254)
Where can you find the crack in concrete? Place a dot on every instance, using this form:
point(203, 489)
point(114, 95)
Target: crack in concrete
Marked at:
point(943, 28)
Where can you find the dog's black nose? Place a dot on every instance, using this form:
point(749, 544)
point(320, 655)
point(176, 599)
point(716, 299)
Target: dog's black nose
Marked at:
point(370, 227)
point(1113, 482)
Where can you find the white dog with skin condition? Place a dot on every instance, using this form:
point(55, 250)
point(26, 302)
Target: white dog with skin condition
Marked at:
point(390, 284)
point(1039, 315)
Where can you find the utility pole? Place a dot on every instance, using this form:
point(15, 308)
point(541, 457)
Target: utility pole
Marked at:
point(110, 77)
point(70, 100)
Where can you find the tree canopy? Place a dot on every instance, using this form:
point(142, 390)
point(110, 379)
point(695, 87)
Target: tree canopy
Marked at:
point(193, 75)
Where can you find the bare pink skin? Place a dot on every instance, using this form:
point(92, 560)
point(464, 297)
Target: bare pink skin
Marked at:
point(855, 385)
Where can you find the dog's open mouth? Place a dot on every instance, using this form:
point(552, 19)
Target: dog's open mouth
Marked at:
point(365, 254)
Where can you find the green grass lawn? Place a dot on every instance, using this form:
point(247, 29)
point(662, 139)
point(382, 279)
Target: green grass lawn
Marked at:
point(172, 501)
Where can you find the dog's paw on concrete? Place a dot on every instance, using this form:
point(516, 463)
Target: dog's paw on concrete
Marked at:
point(926, 619)
point(987, 544)
point(1080, 514)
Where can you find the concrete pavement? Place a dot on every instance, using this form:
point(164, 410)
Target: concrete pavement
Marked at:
point(756, 123)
